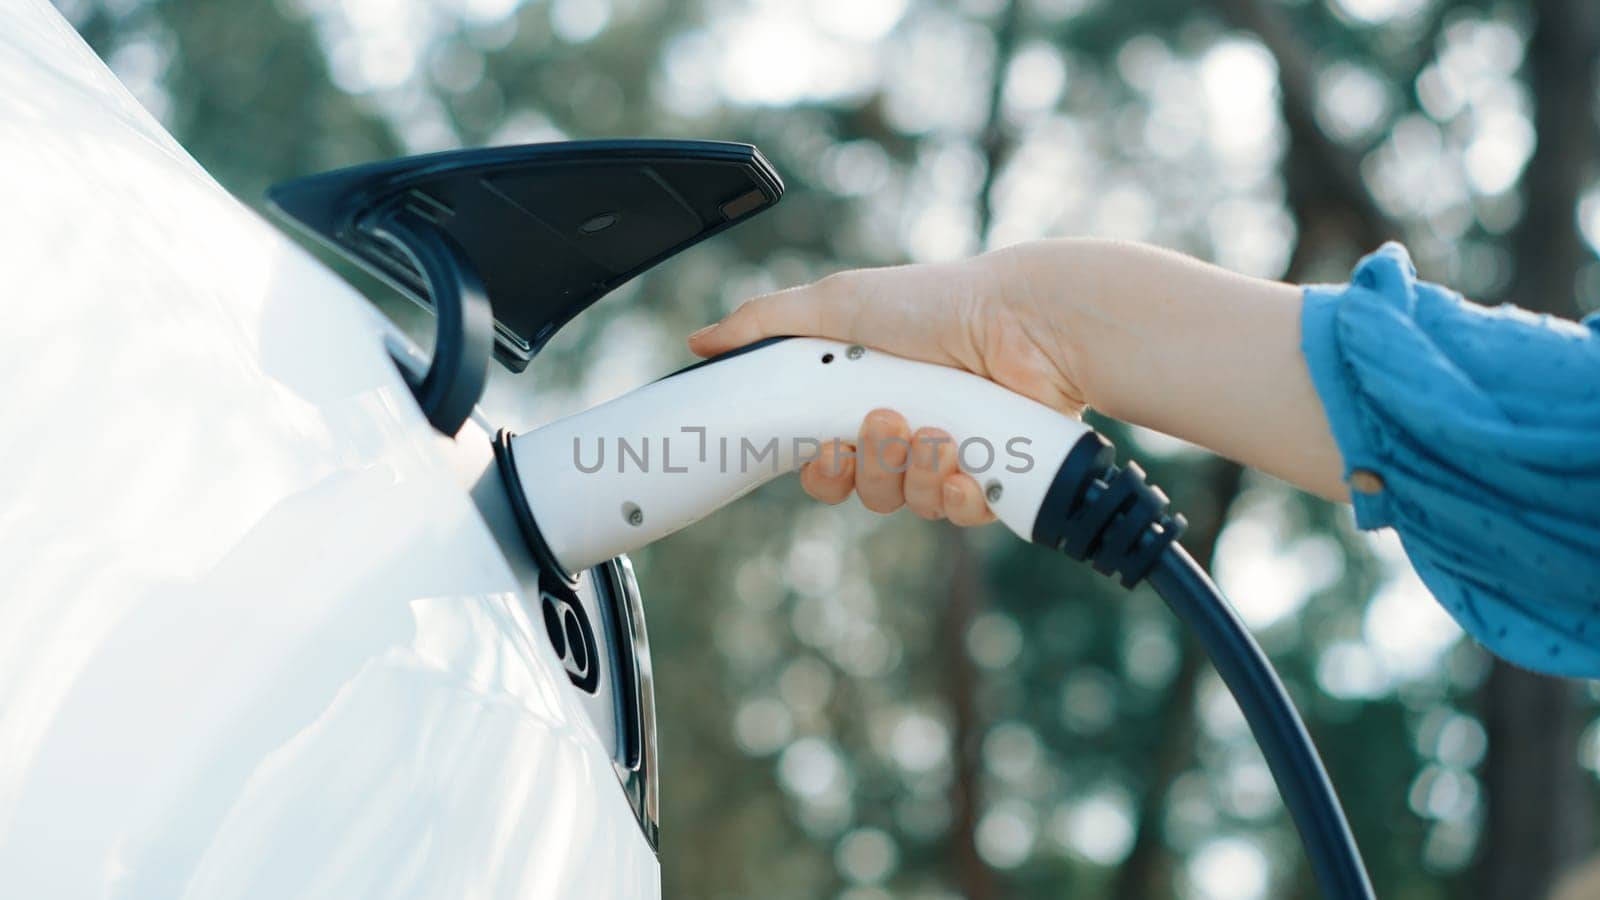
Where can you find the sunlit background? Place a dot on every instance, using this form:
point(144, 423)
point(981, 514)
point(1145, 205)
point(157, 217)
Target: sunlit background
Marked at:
point(862, 707)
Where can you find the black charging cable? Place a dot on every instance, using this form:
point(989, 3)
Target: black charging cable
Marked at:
point(1111, 518)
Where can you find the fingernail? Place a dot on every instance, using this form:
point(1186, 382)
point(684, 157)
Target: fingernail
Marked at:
point(702, 332)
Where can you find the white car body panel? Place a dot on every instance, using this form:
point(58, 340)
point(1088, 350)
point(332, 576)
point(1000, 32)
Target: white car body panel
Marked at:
point(256, 639)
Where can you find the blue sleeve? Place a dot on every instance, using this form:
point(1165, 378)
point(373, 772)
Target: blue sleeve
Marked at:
point(1474, 433)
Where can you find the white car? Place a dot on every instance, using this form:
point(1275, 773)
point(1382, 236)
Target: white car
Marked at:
point(268, 624)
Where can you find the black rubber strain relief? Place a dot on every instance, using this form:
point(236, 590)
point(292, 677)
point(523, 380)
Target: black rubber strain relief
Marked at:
point(1088, 457)
point(526, 523)
point(1106, 515)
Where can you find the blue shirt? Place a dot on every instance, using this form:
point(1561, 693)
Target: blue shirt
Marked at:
point(1482, 427)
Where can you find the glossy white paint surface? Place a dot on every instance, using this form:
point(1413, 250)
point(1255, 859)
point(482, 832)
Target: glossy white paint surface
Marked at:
point(256, 640)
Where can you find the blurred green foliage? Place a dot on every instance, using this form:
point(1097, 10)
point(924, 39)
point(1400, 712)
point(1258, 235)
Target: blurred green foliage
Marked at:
point(861, 707)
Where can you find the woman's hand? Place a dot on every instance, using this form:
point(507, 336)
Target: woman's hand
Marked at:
point(975, 314)
point(969, 315)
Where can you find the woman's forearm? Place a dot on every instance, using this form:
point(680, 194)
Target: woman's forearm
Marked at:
point(1142, 334)
point(1185, 348)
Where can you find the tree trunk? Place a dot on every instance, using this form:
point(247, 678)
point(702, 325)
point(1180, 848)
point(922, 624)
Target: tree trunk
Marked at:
point(1540, 802)
point(1328, 195)
point(965, 597)
point(1332, 209)
point(1540, 811)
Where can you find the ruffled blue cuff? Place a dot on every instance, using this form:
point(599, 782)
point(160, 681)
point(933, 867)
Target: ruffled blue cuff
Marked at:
point(1384, 277)
point(1475, 434)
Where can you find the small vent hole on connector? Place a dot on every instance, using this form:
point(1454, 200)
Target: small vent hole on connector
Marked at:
point(827, 358)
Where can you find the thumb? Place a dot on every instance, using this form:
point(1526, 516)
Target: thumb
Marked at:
point(813, 310)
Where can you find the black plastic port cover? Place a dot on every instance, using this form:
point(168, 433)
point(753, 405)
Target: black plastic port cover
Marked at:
point(548, 228)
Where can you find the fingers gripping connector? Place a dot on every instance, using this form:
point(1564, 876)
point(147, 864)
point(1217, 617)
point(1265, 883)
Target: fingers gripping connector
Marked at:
point(1106, 515)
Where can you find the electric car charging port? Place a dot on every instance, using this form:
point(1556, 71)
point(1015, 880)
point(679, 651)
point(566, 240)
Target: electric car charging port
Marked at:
point(595, 626)
point(567, 624)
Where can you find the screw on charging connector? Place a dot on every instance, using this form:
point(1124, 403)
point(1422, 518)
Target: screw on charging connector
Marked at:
point(633, 514)
point(856, 351)
point(991, 491)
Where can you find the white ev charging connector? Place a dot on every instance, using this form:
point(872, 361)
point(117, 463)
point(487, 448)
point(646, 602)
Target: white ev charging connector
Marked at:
point(631, 471)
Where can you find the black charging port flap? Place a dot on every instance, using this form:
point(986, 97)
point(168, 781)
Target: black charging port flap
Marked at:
point(538, 232)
